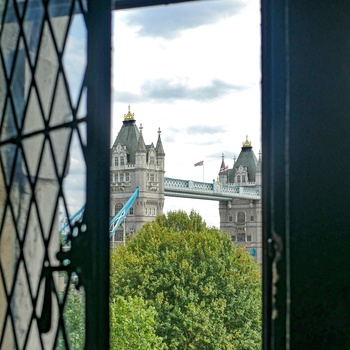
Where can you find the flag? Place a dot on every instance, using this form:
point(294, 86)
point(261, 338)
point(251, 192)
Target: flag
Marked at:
point(224, 169)
point(199, 163)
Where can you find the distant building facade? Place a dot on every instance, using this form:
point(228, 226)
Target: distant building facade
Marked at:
point(135, 164)
point(242, 218)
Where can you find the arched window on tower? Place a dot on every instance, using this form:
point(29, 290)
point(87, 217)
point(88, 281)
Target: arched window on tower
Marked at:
point(241, 216)
point(241, 175)
point(117, 208)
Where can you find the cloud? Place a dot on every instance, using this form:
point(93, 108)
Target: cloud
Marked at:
point(203, 143)
point(205, 129)
point(169, 139)
point(170, 90)
point(127, 97)
point(199, 135)
point(228, 156)
point(163, 89)
point(169, 21)
point(199, 130)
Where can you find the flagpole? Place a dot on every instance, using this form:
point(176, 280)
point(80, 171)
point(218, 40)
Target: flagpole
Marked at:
point(201, 163)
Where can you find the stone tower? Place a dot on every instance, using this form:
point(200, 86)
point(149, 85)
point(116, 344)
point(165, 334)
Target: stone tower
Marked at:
point(135, 164)
point(242, 218)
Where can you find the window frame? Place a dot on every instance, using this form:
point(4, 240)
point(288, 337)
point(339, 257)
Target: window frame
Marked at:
point(241, 217)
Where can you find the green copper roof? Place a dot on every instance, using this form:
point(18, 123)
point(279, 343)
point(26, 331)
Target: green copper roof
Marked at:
point(246, 158)
point(129, 136)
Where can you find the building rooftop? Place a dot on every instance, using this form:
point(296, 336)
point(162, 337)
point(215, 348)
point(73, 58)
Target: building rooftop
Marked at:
point(246, 158)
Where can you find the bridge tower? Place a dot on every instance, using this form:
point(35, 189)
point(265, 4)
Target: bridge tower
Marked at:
point(135, 164)
point(242, 218)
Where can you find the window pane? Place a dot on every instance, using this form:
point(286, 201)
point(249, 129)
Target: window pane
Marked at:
point(42, 170)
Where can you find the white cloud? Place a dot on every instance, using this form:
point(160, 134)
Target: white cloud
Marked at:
point(169, 21)
point(165, 90)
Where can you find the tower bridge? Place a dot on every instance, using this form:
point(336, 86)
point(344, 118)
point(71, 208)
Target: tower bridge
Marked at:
point(135, 165)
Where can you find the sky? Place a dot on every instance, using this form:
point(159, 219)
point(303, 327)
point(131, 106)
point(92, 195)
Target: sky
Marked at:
point(192, 70)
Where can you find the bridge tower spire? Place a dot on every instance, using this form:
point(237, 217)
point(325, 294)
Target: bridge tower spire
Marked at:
point(223, 171)
point(141, 151)
point(159, 147)
point(160, 156)
point(258, 175)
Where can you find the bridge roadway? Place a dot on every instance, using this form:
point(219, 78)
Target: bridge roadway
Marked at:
point(209, 191)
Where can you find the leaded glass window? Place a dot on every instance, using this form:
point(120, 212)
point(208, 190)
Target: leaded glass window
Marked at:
point(50, 128)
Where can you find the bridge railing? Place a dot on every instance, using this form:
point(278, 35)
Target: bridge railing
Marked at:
point(200, 186)
point(213, 188)
point(193, 185)
point(230, 189)
point(254, 191)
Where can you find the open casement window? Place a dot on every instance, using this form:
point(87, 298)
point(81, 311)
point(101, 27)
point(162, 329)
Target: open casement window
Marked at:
point(305, 128)
point(51, 104)
point(51, 113)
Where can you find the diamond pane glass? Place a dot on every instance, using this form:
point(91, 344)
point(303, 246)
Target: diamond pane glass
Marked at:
point(34, 17)
point(46, 70)
point(42, 173)
point(9, 36)
point(19, 91)
point(74, 190)
point(74, 57)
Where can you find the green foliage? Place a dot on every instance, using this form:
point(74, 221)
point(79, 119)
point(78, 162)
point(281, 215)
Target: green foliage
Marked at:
point(207, 292)
point(74, 319)
point(180, 221)
point(133, 325)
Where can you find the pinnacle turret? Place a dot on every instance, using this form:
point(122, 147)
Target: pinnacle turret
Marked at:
point(222, 162)
point(141, 146)
point(223, 167)
point(258, 165)
point(159, 147)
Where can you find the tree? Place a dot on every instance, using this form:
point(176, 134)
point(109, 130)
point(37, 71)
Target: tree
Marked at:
point(133, 325)
point(206, 291)
point(74, 319)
